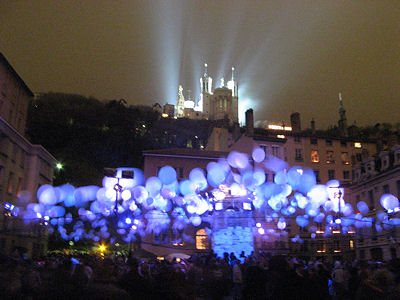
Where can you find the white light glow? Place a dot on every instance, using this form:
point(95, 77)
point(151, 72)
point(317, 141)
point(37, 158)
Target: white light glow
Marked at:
point(279, 127)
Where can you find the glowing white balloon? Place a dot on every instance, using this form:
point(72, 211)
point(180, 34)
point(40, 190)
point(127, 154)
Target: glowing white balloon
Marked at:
point(258, 155)
point(389, 202)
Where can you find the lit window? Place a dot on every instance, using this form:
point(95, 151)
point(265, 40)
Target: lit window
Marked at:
point(202, 242)
point(351, 244)
point(10, 184)
point(314, 156)
point(345, 158)
point(19, 185)
point(357, 145)
point(280, 136)
point(329, 157)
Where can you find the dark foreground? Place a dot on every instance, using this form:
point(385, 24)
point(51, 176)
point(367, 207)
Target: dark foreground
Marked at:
point(260, 276)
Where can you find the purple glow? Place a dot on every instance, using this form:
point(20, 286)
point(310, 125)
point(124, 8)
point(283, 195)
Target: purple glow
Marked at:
point(258, 155)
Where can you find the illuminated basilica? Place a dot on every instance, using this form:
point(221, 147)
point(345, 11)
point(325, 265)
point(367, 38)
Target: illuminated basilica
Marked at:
point(220, 103)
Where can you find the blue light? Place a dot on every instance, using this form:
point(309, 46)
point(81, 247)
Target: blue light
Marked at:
point(246, 206)
point(8, 206)
point(258, 155)
point(167, 175)
point(128, 220)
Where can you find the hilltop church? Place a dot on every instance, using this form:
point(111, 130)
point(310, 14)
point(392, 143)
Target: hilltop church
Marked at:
point(220, 103)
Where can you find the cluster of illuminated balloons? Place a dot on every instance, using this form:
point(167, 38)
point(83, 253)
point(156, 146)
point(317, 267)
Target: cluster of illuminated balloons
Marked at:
point(126, 207)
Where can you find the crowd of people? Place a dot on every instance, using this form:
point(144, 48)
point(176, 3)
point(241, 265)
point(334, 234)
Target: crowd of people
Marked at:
point(258, 276)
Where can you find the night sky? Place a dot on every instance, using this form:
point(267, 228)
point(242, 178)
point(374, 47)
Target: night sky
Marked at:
point(289, 55)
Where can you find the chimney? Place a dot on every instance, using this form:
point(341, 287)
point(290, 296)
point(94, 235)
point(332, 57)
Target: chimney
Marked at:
point(312, 126)
point(249, 122)
point(295, 122)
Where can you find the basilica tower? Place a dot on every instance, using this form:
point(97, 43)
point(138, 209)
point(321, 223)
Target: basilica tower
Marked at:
point(180, 103)
point(205, 93)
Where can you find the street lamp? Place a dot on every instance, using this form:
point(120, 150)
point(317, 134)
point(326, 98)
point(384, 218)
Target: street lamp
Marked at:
point(117, 189)
point(337, 196)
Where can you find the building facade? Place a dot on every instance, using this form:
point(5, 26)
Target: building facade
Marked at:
point(373, 178)
point(23, 167)
point(329, 157)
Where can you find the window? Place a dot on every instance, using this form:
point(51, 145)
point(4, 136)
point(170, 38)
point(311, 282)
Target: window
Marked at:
point(397, 183)
point(331, 174)
point(176, 238)
point(297, 139)
point(1, 175)
point(374, 233)
point(343, 143)
point(19, 185)
point(358, 157)
point(384, 163)
point(316, 172)
point(362, 254)
point(180, 172)
point(371, 199)
point(351, 244)
point(313, 141)
point(265, 148)
point(298, 155)
point(357, 145)
point(346, 175)
point(314, 156)
point(365, 153)
point(128, 174)
point(328, 142)
point(345, 158)
point(393, 253)
point(22, 162)
point(10, 184)
point(386, 189)
point(329, 157)
point(202, 242)
point(275, 151)
point(14, 152)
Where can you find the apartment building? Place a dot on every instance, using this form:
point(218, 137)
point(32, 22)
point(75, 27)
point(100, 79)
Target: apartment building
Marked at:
point(23, 167)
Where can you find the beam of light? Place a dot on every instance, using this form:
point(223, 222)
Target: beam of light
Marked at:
point(168, 30)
